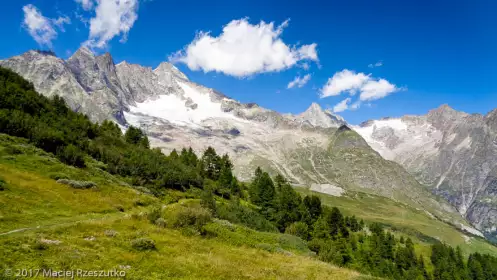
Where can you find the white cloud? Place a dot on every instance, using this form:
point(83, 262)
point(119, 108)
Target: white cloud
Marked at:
point(347, 81)
point(41, 28)
point(309, 52)
point(377, 64)
point(86, 4)
point(112, 18)
point(243, 49)
point(355, 105)
point(299, 81)
point(344, 81)
point(60, 21)
point(342, 105)
point(373, 90)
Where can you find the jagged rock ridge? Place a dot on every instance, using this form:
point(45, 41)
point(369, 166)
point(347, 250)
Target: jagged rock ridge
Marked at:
point(452, 152)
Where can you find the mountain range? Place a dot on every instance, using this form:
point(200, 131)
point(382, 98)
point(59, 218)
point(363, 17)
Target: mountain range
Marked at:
point(452, 152)
point(441, 163)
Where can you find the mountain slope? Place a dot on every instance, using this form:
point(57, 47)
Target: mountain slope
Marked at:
point(306, 148)
point(451, 152)
point(45, 224)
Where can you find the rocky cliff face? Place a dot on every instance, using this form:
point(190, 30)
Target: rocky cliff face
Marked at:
point(452, 152)
point(315, 147)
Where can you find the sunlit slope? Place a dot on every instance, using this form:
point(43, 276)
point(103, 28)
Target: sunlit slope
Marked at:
point(404, 219)
point(45, 224)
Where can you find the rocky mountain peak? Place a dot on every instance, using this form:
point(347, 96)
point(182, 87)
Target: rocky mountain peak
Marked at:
point(318, 117)
point(82, 53)
point(444, 116)
point(491, 119)
point(315, 108)
point(166, 69)
point(446, 111)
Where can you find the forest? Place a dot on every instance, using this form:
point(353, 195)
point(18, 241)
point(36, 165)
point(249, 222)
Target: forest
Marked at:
point(345, 241)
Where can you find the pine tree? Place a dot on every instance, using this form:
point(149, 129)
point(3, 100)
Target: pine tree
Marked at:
point(335, 221)
point(475, 268)
point(287, 203)
point(211, 164)
point(313, 205)
point(262, 193)
point(174, 155)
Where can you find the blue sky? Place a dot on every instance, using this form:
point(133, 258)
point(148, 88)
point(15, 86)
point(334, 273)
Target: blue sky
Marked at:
point(432, 52)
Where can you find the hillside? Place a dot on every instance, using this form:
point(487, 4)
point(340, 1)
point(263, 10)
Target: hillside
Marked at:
point(45, 224)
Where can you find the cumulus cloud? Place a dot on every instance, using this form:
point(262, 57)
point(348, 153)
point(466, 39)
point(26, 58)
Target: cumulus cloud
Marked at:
point(112, 18)
point(244, 49)
point(350, 82)
point(377, 64)
point(344, 81)
point(342, 105)
point(86, 4)
point(373, 90)
point(42, 29)
point(299, 81)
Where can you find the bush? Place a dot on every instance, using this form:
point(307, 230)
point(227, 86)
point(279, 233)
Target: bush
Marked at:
point(77, 184)
point(71, 155)
point(12, 150)
point(299, 229)
point(40, 245)
point(2, 184)
point(58, 176)
point(239, 214)
point(179, 216)
point(160, 222)
point(154, 214)
point(143, 244)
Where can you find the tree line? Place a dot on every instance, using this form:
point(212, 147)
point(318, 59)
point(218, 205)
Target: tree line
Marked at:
point(342, 240)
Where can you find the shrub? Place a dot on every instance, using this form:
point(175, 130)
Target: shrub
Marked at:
point(40, 245)
point(2, 184)
point(58, 176)
point(143, 244)
point(77, 184)
point(179, 216)
point(239, 214)
point(12, 150)
point(154, 214)
point(71, 155)
point(160, 222)
point(299, 229)
point(266, 247)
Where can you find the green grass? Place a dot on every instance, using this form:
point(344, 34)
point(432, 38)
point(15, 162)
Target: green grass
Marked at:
point(403, 219)
point(35, 208)
point(176, 256)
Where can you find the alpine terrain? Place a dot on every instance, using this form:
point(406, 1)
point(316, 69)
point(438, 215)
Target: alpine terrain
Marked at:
point(452, 152)
point(315, 147)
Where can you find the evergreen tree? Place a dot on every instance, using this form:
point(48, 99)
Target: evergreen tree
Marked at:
point(335, 221)
point(136, 136)
point(475, 268)
point(174, 155)
point(287, 202)
point(313, 205)
point(211, 164)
